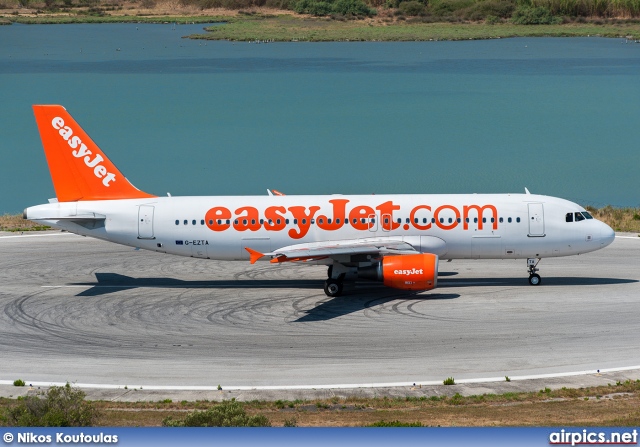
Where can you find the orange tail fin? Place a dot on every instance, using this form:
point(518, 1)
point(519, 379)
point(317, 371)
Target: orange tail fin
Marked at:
point(79, 169)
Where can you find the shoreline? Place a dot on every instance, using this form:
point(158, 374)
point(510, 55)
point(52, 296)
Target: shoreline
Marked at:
point(286, 27)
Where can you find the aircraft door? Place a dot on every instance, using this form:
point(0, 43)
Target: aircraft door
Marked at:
point(145, 222)
point(536, 220)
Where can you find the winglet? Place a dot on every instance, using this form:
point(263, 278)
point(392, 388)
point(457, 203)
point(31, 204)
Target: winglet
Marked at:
point(526, 190)
point(79, 169)
point(254, 255)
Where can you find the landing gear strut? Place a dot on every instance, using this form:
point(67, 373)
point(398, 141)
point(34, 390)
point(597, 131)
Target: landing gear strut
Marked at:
point(534, 278)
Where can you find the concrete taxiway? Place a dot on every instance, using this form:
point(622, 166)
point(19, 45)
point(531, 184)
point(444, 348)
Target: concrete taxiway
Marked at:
point(80, 310)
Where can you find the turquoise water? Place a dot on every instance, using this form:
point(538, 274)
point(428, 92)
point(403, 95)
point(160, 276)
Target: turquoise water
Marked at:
point(559, 116)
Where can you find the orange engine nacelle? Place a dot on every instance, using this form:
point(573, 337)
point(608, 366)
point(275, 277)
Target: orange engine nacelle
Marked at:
point(407, 272)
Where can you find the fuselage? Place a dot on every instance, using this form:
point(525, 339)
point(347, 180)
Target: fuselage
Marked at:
point(453, 226)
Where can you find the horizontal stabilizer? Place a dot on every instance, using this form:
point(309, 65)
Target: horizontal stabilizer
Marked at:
point(254, 255)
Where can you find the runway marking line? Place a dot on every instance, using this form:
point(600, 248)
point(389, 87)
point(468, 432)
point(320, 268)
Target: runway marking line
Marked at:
point(38, 235)
point(327, 387)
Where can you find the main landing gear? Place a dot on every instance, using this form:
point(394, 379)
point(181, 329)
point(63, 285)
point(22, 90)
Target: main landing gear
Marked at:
point(333, 286)
point(534, 278)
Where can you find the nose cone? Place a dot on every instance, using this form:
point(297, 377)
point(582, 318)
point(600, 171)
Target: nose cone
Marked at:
point(607, 235)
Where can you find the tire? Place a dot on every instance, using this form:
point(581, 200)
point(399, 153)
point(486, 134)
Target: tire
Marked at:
point(535, 279)
point(332, 288)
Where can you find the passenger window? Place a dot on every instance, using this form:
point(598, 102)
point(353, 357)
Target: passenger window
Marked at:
point(337, 221)
point(467, 220)
point(386, 220)
point(450, 220)
point(492, 220)
point(579, 217)
point(433, 220)
point(484, 220)
point(441, 220)
point(415, 220)
point(278, 221)
point(286, 221)
point(319, 221)
point(399, 220)
point(458, 220)
point(304, 221)
point(186, 222)
point(569, 217)
point(408, 220)
point(261, 221)
point(202, 222)
point(509, 220)
point(475, 220)
point(177, 222)
point(363, 220)
point(501, 220)
point(424, 220)
point(295, 221)
point(517, 219)
point(313, 221)
point(228, 222)
point(211, 222)
point(373, 221)
point(329, 220)
point(193, 221)
point(235, 222)
point(355, 220)
point(253, 221)
point(244, 221)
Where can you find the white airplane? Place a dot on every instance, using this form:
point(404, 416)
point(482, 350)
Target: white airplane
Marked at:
point(395, 239)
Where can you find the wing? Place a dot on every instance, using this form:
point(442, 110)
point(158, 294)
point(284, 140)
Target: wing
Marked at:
point(331, 249)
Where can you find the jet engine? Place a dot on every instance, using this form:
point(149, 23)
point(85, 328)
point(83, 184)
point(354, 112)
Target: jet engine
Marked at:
point(406, 272)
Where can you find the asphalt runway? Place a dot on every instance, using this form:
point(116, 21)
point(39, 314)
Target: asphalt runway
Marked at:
point(80, 310)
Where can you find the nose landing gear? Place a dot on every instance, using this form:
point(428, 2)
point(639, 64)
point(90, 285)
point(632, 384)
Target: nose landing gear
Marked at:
point(534, 278)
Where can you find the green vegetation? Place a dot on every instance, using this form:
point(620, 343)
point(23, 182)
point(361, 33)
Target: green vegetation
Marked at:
point(292, 28)
point(395, 423)
point(620, 219)
point(19, 382)
point(61, 406)
point(449, 381)
point(507, 378)
point(226, 414)
point(383, 15)
point(15, 222)
point(615, 404)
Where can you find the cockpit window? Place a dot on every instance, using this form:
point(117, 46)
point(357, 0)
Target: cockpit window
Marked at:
point(569, 217)
point(587, 215)
point(579, 216)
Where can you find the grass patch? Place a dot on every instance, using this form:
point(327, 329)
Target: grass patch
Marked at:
point(449, 381)
point(614, 405)
point(292, 28)
point(19, 382)
point(15, 222)
point(620, 219)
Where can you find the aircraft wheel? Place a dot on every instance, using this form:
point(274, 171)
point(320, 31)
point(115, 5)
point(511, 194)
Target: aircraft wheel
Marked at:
point(535, 279)
point(332, 288)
